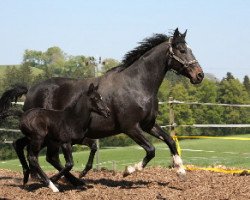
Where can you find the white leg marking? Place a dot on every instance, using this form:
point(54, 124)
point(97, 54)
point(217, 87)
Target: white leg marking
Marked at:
point(138, 166)
point(53, 187)
point(179, 165)
point(131, 169)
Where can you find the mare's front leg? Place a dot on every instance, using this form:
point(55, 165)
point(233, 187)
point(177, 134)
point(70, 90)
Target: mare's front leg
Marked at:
point(34, 148)
point(137, 135)
point(52, 157)
point(157, 132)
point(67, 152)
point(91, 143)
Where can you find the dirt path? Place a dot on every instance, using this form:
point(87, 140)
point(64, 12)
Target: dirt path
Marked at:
point(152, 183)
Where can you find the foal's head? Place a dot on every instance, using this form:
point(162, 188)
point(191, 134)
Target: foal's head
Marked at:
point(96, 102)
point(182, 59)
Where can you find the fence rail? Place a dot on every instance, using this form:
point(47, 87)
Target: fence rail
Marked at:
point(205, 104)
point(171, 124)
point(210, 125)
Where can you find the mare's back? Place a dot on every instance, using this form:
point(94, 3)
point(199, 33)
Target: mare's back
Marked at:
point(54, 93)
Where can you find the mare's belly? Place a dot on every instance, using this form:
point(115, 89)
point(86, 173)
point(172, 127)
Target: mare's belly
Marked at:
point(101, 127)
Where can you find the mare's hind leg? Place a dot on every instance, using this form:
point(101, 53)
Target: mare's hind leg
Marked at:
point(93, 148)
point(34, 148)
point(52, 157)
point(19, 146)
point(162, 135)
point(67, 152)
point(137, 135)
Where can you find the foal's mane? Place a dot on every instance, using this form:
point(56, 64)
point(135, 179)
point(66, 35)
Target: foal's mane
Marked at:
point(144, 46)
point(75, 100)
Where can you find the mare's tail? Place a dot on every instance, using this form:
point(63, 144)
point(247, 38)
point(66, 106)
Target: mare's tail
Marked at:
point(11, 96)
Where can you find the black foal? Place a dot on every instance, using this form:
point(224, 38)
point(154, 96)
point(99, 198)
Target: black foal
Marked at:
point(55, 129)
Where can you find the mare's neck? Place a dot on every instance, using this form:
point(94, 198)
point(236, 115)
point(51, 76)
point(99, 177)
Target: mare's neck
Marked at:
point(79, 112)
point(149, 71)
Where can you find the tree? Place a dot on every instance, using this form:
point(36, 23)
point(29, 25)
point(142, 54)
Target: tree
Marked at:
point(229, 76)
point(109, 63)
point(10, 77)
point(25, 75)
point(17, 75)
point(163, 96)
point(183, 113)
point(33, 58)
point(232, 91)
point(80, 67)
point(52, 60)
point(246, 83)
point(207, 91)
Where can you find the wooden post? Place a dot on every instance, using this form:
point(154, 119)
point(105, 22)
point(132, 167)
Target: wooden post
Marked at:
point(171, 117)
point(97, 155)
point(172, 125)
point(114, 166)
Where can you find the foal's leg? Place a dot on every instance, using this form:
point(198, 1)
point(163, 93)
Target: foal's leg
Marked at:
point(67, 152)
point(157, 132)
point(93, 148)
point(137, 135)
point(19, 146)
point(52, 157)
point(34, 148)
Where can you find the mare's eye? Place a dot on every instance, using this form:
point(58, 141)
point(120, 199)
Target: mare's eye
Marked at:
point(183, 51)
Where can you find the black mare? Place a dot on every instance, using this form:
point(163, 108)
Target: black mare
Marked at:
point(130, 91)
point(55, 129)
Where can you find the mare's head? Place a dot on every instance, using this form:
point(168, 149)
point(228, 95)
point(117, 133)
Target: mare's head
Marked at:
point(182, 59)
point(96, 102)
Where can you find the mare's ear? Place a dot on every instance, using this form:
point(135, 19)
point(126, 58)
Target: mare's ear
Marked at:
point(91, 88)
point(176, 33)
point(184, 34)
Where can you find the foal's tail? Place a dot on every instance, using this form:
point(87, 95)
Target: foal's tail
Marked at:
point(11, 96)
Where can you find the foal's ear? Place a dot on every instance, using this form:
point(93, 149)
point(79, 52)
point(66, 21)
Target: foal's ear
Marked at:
point(96, 88)
point(91, 88)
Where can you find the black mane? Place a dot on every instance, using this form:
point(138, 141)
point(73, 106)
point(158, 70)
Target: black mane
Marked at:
point(145, 45)
point(136, 53)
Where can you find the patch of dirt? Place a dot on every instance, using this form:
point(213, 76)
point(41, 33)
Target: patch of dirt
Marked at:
point(151, 183)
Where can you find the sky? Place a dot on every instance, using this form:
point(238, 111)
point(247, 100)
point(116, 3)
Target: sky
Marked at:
point(218, 30)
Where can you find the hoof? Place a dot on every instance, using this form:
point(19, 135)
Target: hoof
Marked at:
point(181, 172)
point(177, 163)
point(82, 174)
point(26, 175)
point(128, 170)
point(182, 175)
point(125, 174)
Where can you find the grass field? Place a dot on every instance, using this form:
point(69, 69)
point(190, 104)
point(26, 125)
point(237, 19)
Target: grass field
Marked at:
point(201, 152)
